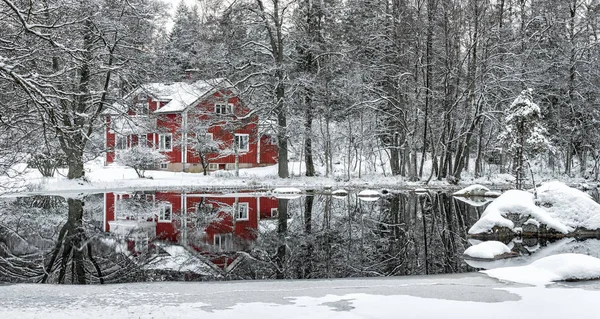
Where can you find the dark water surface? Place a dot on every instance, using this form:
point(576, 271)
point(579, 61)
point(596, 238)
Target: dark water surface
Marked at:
point(150, 236)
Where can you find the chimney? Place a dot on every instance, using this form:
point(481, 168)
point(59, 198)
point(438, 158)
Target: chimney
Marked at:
point(191, 74)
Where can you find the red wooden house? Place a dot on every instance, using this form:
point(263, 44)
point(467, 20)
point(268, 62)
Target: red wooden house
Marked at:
point(168, 116)
point(212, 225)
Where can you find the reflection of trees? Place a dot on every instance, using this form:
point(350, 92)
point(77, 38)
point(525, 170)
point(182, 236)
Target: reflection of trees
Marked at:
point(402, 234)
point(38, 245)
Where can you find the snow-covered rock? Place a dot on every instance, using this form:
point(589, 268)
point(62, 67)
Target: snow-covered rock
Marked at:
point(559, 207)
point(287, 192)
point(548, 269)
point(570, 206)
point(339, 193)
point(473, 190)
point(369, 195)
point(490, 249)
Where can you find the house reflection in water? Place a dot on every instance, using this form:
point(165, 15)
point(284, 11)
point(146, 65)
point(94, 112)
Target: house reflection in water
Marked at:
point(215, 226)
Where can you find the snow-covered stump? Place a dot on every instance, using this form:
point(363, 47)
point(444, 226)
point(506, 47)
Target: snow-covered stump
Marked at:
point(558, 211)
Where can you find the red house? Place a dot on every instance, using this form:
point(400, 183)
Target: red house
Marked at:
point(214, 226)
point(172, 117)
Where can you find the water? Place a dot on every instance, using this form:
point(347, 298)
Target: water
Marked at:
point(150, 236)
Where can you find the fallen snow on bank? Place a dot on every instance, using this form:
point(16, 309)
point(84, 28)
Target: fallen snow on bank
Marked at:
point(516, 202)
point(487, 250)
point(553, 268)
point(559, 207)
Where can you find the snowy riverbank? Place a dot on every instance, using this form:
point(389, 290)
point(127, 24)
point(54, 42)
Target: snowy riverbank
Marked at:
point(100, 178)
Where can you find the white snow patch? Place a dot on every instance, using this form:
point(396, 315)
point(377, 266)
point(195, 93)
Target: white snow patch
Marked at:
point(553, 268)
point(368, 195)
point(473, 190)
point(487, 250)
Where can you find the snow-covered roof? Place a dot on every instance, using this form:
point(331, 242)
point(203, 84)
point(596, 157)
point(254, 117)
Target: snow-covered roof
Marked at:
point(178, 95)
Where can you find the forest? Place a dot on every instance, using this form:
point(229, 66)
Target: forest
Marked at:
point(379, 86)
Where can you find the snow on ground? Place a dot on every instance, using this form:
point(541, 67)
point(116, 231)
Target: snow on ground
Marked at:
point(552, 268)
point(487, 250)
point(559, 207)
point(448, 296)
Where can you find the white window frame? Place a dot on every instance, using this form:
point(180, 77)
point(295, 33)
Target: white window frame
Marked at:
point(224, 242)
point(224, 108)
point(123, 142)
point(163, 217)
point(242, 208)
point(164, 165)
point(144, 138)
point(142, 103)
point(213, 166)
point(274, 212)
point(247, 136)
point(162, 142)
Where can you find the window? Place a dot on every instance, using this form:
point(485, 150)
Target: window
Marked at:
point(242, 142)
point(242, 211)
point(121, 142)
point(213, 166)
point(274, 212)
point(223, 108)
point(165, 142)
point(223, 242)
point(164, 213)
point(164, 165)
point(143, 140)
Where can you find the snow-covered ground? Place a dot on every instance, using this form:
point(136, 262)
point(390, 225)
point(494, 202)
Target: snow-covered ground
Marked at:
point(446, 296)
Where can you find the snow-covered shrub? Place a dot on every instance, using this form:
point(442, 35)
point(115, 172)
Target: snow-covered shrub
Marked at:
point(141, 158)
point(524, 134)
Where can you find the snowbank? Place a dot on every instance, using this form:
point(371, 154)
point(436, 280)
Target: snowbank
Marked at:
point(553, 268)
point(559, 207)
point(487, 250)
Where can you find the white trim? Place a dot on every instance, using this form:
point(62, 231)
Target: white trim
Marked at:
point(184, 149)
point(257, 149)
point(213, 166)
point(276, 210)
point(257, 208)
point(105, 212)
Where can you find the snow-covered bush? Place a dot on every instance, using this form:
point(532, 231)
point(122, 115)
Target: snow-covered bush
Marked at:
point(141, 158)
